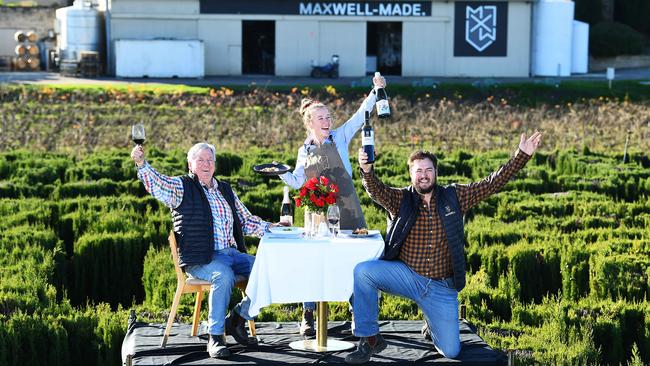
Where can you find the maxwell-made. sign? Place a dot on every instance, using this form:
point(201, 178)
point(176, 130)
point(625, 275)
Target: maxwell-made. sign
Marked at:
point(481, 28)
point(332, 8)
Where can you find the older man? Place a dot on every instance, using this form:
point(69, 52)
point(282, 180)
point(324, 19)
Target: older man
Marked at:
point(424, 256)
point(210, 222)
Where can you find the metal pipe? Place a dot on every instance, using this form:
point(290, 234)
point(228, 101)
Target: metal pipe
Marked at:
point(107, 24)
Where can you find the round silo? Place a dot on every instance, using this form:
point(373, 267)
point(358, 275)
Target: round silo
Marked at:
point(80, 30)
point(552, 36)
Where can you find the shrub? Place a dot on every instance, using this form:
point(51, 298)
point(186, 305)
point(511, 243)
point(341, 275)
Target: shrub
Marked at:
point(608, 39)
point(621, 276)
point(106, 267)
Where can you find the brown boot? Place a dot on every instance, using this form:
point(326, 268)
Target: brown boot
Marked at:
point(307, 325)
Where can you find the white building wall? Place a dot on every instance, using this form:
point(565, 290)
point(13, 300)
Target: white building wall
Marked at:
point(346, 39)
point(223, 46)
point(424, 48)
point(296, 44)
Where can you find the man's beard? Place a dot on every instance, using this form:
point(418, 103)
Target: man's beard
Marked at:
point(425, 190)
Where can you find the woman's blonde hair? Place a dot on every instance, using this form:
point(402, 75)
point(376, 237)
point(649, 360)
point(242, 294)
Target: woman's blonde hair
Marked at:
point(307, 106)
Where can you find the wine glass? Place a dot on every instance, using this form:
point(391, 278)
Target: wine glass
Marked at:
point(334, 219)
point(137, 133)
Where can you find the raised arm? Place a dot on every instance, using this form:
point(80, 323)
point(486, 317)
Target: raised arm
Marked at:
point(168, 190)
point(469, 195)
point(352, 126)
point(387, 197)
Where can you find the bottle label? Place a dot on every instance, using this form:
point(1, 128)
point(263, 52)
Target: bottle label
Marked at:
point(287, 219)
point(382, 107)
point(368, 138)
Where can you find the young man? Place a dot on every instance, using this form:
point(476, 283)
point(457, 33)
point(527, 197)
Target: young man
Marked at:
point(424, 255)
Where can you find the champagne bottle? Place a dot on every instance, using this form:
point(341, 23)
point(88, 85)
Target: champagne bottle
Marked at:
point(286, 211)
point(368, 139)
point(383, 109)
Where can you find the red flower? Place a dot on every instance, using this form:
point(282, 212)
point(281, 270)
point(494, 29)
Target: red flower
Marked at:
point(311, 184)
point(317, 194)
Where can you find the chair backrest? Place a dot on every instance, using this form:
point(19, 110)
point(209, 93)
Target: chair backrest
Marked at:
point(180, 275)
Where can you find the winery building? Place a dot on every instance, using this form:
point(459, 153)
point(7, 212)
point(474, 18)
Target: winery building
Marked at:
point(286, 37)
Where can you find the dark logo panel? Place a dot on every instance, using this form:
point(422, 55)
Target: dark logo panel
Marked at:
point(320, 8)
point(481, 28)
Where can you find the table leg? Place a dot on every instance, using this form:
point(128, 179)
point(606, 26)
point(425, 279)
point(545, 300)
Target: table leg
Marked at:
point(321, 343)
point(322, 315)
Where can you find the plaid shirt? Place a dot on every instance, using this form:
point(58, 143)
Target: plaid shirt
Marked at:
point(425, 249)
point(169, 190)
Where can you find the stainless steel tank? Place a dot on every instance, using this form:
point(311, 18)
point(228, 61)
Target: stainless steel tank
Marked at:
point(80, 29)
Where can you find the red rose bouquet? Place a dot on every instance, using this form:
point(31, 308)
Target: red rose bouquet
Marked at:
point(317, 194)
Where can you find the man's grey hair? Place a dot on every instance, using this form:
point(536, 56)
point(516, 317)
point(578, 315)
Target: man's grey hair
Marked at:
point(194, 150)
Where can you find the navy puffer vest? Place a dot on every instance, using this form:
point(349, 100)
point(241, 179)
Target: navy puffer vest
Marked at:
point(448, 209)
point(193, 223)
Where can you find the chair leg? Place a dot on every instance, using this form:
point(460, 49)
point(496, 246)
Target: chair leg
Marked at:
point(172, 314)
point(197, 313)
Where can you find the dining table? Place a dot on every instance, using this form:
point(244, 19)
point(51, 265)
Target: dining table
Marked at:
point(292, 267)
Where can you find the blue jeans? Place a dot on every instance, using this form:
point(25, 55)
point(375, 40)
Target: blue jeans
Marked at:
point(225, 265)
point(437, 299)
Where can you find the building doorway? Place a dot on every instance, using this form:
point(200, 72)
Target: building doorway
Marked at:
point(258, 47)
point(384, 47)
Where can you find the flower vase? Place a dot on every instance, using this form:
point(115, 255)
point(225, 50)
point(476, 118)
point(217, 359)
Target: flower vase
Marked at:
point(315, 224)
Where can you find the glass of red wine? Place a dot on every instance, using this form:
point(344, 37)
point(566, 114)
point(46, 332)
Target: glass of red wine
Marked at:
point(137, 133)
point(333, 219)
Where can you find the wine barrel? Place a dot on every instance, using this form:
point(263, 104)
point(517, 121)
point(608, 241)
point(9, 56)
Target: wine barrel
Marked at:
point(32, 36)
point(33, 63)
point(20, 63)
point(32, 49)
point(20, 49)
point(20, 36)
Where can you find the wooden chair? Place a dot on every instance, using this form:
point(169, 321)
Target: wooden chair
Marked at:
point(187, 285)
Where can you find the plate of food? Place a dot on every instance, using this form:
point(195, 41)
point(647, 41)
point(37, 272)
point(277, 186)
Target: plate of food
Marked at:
point(360, 232)
point(286, 231)
point(271, 169)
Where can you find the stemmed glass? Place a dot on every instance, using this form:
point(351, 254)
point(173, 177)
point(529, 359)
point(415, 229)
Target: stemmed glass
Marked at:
point(137, 133)
point(334, 219)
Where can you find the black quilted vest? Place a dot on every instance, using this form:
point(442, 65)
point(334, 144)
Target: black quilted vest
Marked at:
point(448, 209)
point(193, 223)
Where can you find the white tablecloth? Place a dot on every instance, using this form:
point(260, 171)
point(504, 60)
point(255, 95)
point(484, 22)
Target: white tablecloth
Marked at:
point(290, 270)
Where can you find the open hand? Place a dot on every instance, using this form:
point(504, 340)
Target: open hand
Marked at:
point(530, 145)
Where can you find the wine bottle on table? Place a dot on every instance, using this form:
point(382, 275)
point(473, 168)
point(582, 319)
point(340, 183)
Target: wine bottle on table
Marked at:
point(286, 211)
point(383, 109)
point(368, 139)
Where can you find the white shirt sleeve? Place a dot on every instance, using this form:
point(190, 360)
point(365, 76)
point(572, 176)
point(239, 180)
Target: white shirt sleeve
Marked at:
point(352, 126)
point(296, 179)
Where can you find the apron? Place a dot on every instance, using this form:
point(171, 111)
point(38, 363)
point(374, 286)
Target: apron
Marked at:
point(325, 160)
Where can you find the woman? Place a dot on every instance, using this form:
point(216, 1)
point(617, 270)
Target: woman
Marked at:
point(325, 152)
